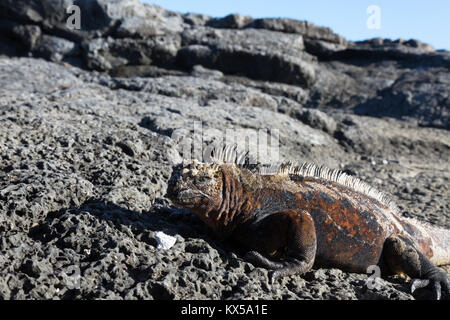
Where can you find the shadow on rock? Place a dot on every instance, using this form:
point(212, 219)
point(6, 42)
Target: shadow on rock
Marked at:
point(116, 249)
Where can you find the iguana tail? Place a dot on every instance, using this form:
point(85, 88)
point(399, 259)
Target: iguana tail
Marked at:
point(441, 245)
point(433, 242)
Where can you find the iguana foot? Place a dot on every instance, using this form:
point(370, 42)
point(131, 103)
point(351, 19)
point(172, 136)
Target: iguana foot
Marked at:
point(298, 243)
point(401, 256)
point(280, 269)
point(438, 281)
point(289, 266)
point(258, 259)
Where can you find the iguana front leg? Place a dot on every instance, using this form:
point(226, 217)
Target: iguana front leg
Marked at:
point(287, 234)
point(402, 257)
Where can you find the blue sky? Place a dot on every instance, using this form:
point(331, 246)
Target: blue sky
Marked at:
point(425, 20)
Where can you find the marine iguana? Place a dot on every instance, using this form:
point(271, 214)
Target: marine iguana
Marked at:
point(291, 217)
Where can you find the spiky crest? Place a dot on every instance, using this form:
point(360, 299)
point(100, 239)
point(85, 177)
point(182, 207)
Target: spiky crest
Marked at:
point(229, 154)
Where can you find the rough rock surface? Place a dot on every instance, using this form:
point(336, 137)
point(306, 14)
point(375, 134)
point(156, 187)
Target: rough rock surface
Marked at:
point(92, 120)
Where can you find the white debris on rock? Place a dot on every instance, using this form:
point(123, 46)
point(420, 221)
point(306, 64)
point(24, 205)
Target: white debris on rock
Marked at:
point(165, 241)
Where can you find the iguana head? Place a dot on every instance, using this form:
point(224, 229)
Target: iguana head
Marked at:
point(216, 192)
point(196, 186)
point(213, 192)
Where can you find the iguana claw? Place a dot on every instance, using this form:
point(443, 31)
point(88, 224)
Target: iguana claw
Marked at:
point(437, 290)
point(419, 283)
point(437, 286)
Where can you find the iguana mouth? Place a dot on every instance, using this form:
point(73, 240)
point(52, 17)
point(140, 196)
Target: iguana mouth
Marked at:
point(189, 194)
point(183, 196)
